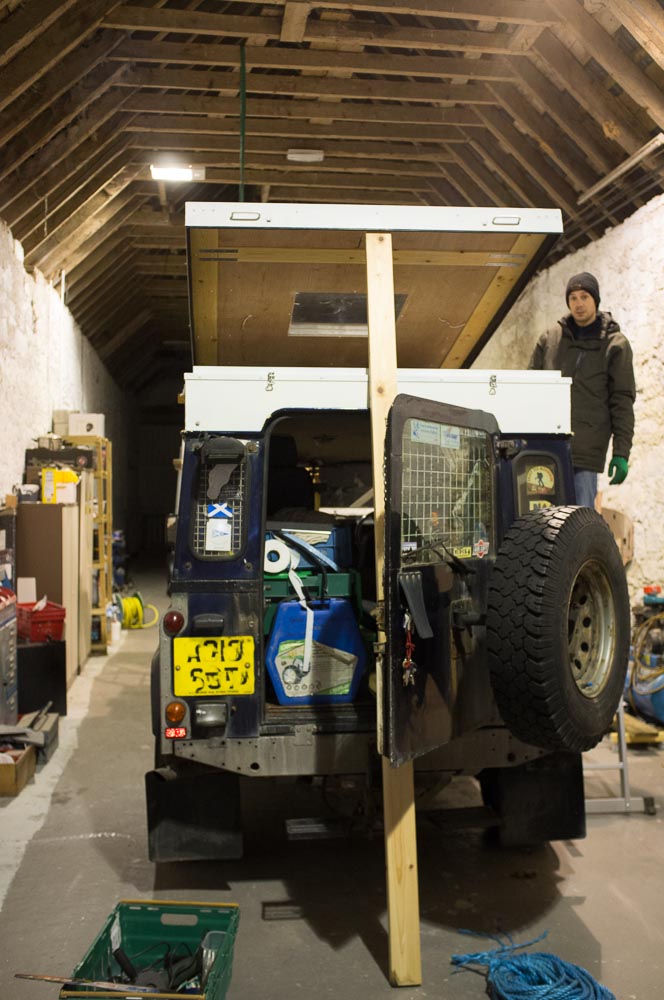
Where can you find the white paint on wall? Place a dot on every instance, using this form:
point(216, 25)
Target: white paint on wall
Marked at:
point(47, 364)
point(628, 262)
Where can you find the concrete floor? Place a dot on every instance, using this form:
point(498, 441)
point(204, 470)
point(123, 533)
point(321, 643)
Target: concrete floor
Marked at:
point(73, 843)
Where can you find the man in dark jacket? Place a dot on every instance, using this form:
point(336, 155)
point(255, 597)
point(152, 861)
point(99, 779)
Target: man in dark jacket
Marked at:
point(588, 346)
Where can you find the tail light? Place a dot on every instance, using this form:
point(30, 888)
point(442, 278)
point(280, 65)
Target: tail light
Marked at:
point(173, 621)
point(175, 712)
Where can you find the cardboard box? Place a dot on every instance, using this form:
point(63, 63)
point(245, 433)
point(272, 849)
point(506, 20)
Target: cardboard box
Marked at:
point(14, 777)
point(58, 485)
point(87, 423)
point(49, 726)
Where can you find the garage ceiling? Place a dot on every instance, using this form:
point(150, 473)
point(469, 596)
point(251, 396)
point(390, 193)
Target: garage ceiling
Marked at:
point(435, 102)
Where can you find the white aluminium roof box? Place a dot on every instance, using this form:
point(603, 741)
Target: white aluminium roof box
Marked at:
point(285, 285)
point(240, 400)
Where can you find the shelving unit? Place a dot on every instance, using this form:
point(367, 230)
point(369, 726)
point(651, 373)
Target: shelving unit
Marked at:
point(102, 542)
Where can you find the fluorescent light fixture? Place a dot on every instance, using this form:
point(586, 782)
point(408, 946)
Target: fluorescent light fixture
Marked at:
point(176, 173)
point(305, 155)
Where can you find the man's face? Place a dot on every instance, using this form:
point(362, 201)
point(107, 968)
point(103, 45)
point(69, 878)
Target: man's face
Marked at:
point(582, 307)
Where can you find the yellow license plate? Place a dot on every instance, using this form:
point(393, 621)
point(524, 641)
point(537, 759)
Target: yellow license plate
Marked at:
point(213, 665)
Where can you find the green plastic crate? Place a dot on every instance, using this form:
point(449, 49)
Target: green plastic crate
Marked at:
point(137, 925)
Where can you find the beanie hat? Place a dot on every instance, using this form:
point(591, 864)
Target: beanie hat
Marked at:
point(583, 282)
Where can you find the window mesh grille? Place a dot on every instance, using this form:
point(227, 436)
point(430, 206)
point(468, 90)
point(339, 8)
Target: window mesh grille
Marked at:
point(232, 493)
point(446, 489)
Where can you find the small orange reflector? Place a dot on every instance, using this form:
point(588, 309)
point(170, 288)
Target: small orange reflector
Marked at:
point(175, 711)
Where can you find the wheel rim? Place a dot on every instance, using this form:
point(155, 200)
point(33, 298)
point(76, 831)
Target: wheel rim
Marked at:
point(591, 622)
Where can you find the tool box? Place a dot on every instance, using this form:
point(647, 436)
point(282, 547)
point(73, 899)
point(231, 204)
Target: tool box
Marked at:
point(147, 932)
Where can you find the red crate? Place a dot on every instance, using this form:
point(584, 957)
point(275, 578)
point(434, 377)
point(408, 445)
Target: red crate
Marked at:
point(38, 626)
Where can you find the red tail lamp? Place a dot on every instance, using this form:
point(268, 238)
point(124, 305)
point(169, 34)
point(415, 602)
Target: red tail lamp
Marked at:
point(173, 621)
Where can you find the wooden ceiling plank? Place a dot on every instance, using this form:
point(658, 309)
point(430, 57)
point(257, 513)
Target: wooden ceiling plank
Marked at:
point(447, 131)
point(529, 193)
point(111, 279)
point(115, 169)
point(473, 193)
point(475, 94)
point(386, 182)
point(46, 51)
point(560, 192)
point(27, 22)
point(63, 250)
point(497, 190)
point(317, 59)
point(294, 21)
point(508, 12)
point(342, 197)
point(333, 149)
point(109, 313)
point(546, 133)
point(70, 70)
point(644, 19)
point(600, 45)
point(570, 117)
point(125, 211)
point(355, 32)
point(589, 94)
point(370, 163)
point(64, 179)
point(62, 145)
point(96, 263)
point(55, 118)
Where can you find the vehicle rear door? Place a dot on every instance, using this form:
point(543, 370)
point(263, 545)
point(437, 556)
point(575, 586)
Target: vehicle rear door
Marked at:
point(440, 539)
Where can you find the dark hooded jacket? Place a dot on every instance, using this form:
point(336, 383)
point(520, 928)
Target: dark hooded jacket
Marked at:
point(603, 389)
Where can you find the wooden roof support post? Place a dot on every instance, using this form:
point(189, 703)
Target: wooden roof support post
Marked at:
point(398, 786)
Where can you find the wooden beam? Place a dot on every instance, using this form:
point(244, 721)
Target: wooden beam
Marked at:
point(294, 21)
point(345, 196)
point(544, 131)
point(335, 150)
point(510, 171)
point(124, 333)
point(318, 59)
point(285, 178)
point(569, 116)
point(188, 22)
point(599, 44)
point(116, 247)
point(509, 12)
point(398, 783)
point(644, 19)
point(499, 192)
point(114, 273)
point(44, 223)
point(62, 144)
point(56, 117)
point(446, 131)
point(69, 71)
point(473, 193)
point(614, 121)
point(27, 22)
point(475, 94)
point(62, 180)
point(65, 251)
point(126, 211)
point(531, 159)
point(47, 50)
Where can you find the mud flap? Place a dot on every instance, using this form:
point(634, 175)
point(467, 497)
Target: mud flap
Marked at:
point(193, 815)
point(539, 801)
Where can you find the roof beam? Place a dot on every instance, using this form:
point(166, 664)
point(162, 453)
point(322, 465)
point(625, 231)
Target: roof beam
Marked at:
point(294, 21)
point(45, 52)
point(599, 44)
point(644, 19)
point(508, 12)
point(62, 145)
point(56, 117)
point(126, 210)
point(446, 131)
point(27, 22)
point(61, 79)
point(497, 190)
point(125, 333)
point(473, 94)
point(599, 104)
point(188, 22)
point(316, 60)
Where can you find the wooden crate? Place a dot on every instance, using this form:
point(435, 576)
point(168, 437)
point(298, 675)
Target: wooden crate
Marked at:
point(14, 777)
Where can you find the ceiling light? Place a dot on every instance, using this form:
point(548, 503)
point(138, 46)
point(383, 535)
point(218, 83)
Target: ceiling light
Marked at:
point(176, 173)
point(305, 155)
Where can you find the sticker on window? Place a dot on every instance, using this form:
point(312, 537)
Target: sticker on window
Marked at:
point(424, 432)
point(450, 437)
point(540, 479)
point(219, 527)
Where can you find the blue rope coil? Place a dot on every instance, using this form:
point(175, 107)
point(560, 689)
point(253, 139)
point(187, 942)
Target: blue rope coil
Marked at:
point(539, 976)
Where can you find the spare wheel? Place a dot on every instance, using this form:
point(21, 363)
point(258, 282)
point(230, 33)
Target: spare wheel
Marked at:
point(558, 624)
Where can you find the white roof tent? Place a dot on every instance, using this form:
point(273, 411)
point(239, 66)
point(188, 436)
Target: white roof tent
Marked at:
point(285, 285)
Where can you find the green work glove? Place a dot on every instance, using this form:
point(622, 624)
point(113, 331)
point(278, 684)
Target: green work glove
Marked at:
point(618, 469)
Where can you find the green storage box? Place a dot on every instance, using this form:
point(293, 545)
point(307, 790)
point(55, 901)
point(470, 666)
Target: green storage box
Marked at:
point(145, 930)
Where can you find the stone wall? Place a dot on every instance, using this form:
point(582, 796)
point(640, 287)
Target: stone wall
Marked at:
point(47, 365)
point(628, 262)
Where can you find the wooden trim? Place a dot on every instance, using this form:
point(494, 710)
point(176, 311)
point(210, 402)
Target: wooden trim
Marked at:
point(644, 19)
point(27, 22)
